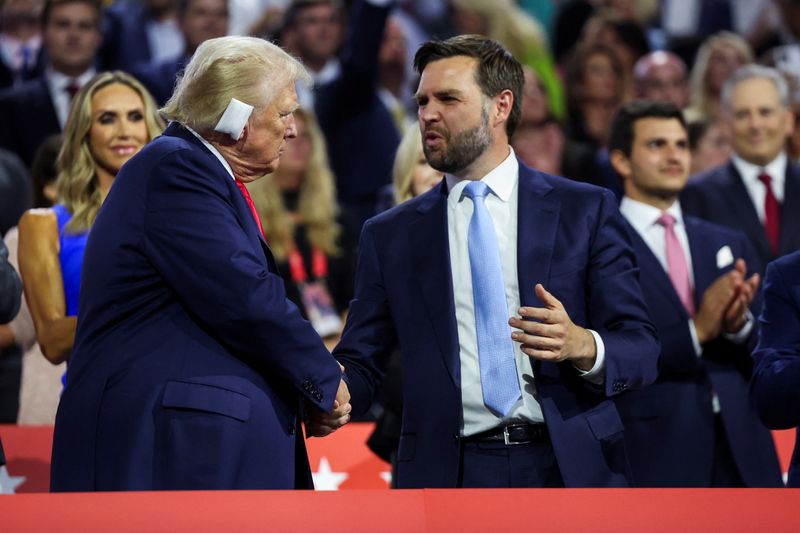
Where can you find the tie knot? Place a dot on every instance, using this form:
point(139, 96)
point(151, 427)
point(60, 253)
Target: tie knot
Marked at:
point(666, 220)
point(72, 88)
point(765, 178)
point(476, 189)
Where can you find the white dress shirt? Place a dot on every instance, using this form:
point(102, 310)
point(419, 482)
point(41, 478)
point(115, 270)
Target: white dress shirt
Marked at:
point(165, 39)
point(757, 191)
point(57, 83)
point(502, 205)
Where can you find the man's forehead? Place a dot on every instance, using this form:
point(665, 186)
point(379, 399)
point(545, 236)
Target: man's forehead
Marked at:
point(456, 70)
point(653, 127)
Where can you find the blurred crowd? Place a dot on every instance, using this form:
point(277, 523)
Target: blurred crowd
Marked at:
point(81, 81)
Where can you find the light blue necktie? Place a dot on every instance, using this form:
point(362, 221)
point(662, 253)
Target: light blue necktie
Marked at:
point(495, 349)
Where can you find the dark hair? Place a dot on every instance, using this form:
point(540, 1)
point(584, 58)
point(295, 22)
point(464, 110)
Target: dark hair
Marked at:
point(44, 170)
point(575, 74)
point(296, 6)
point(497, 70)
point(50, 4)
point(621, 137)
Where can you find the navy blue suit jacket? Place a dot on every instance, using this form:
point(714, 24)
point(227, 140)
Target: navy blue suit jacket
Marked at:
point(572, 239)
point(776, 378)
point(362, 136)
point(719, 195)
point(669, 426)
point(159, 78)
point(29, 118)
point(189, 363)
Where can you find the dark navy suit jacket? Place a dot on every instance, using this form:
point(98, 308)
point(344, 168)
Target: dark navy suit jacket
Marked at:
point(776, 379)
point(572, 239)
point(29, 118)
point(362, 136)
point(159, 78)
point(189, 363)
point(669, 426)
point(719, 195)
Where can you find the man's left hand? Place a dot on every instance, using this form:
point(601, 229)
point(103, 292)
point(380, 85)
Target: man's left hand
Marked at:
point(551, 335)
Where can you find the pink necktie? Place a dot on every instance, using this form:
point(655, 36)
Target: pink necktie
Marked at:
point(250, 204)
point(676, 261)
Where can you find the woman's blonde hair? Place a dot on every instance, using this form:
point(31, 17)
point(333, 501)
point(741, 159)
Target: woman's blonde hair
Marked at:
point(317, 206)
point(249, 69)
point(405, 162)
point(700, 101)
point(77, 179)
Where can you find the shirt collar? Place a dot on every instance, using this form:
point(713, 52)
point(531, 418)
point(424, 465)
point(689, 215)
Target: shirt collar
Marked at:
point(213, 150)
point(501, 179)
point(643, 216)
point(58, 81)
point(750, 172)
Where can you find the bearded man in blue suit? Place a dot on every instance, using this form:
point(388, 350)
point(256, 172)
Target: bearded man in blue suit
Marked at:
point(440, 275)
point(190, 365)
point(694, 427)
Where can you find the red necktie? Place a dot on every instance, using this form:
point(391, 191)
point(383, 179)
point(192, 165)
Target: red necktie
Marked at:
point(251, 205)
point(72, 89)
point(772, 214)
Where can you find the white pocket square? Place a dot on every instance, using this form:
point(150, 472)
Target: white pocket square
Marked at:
point(724, 256)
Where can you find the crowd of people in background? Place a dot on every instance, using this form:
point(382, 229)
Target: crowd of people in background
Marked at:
point(81, 82)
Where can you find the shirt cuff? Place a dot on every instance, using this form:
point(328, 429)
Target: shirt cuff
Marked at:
point(698, 348)
point(597, 373)
point(740, 337)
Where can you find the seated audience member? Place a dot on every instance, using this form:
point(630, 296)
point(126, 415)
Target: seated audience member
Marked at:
point(38, 108)
point(542, 147)
point(662, 77)
point(357, 112)
point(775, 387)
point(507, 23)
point(693, 427)
point(717, 59)
point(594, 83)
point(140, 31)
point(198, 21)
point(39, 381)
point(21, 52)
point(709, 144)
point(758, 190)
point(313, 30)
point(312, 240)
point(112, 118)
point(15, 190)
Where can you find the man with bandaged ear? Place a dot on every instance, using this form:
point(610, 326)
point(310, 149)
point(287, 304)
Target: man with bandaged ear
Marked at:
point(189, 363)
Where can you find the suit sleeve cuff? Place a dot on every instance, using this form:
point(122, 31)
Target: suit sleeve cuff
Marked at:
point(596, 374)
point(740, 337)
point(698, 348)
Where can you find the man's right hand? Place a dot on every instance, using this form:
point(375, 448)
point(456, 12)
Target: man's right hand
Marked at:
point(321, 424)
point(718, 297)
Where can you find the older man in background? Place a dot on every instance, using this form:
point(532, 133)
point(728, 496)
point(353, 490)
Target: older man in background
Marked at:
point(190, 364)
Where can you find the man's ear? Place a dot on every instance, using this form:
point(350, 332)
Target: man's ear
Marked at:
point(620, 163)
point(503, 104)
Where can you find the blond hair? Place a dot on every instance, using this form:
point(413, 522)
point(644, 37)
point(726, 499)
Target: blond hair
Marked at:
point(405, 162)
point(317, 207)
point(702, 102)
point(249, 69)
point(77, 180)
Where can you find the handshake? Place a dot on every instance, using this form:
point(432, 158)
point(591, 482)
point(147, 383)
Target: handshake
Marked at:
point(320, 423)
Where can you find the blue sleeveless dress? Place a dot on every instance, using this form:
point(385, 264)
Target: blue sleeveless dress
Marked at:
point(72, 246)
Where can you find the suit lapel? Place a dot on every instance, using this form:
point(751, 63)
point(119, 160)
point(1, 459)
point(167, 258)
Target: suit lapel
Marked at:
point(790, 212)
point(654, 271)
point(740, 202)
point(430, 252)
point(704, 259)
point(240, 207)
point(537, 222)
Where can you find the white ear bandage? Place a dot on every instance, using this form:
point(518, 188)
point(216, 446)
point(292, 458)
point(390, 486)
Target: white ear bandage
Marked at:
point(234, 119)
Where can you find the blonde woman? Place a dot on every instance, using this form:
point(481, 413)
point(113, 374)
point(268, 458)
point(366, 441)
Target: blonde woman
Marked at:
point(412, 175)
point(718, 58)
point(110, 120)
point(312, 241)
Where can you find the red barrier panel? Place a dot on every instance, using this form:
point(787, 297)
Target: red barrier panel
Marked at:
point(340, 461)
point(539, 510)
